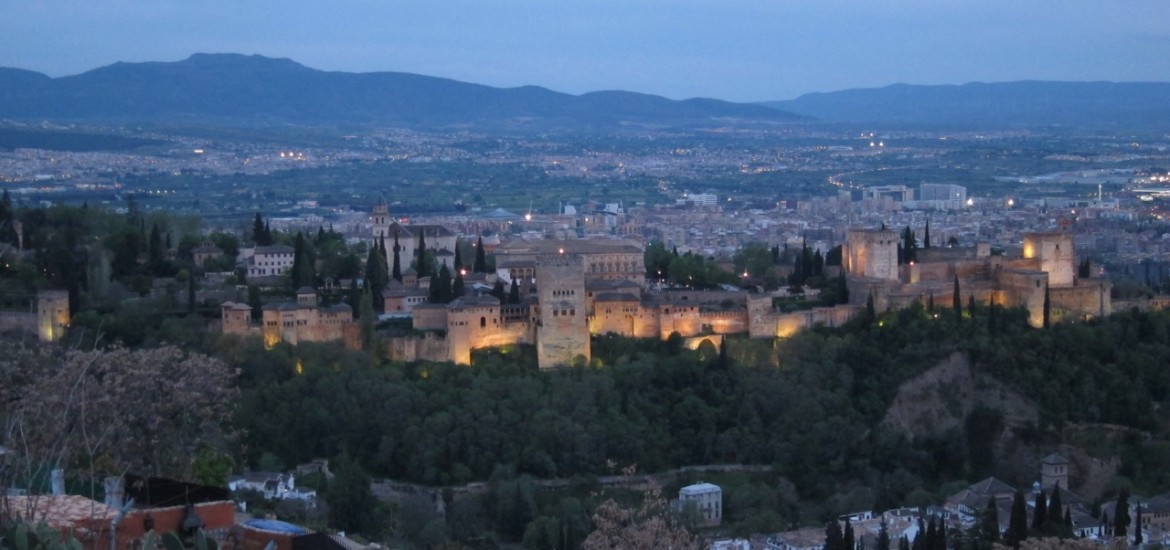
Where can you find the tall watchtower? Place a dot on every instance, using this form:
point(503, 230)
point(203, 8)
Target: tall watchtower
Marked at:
point(562, 334)
point(872, 253)
point(1053, 470)
point(1056, 255)
point(52, 314)
point(380, 219)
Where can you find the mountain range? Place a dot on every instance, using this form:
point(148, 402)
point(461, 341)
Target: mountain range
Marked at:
point(239, 89)
point(1117, 105)
point(248, 89)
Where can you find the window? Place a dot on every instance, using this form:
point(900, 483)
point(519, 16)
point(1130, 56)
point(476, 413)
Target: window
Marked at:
point(482, 322)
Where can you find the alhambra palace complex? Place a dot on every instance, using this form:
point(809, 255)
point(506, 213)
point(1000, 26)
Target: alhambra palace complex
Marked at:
point(573, 289)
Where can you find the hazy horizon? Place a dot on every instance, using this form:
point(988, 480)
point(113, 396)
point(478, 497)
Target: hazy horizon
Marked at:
point(737, 50)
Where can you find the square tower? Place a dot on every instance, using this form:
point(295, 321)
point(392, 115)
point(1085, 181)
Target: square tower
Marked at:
point(1054, 471)
point(52, 314)
point(872, 253)
point(562, 333)
point(1056, 255)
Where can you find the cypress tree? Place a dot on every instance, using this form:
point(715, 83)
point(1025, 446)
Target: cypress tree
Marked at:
point(1039, 510)
point(258, 231)
point(991, 328)
point(926, 235)
point(1055, 508)
point(498, 291)
point(909, 246)
point(989, 524)
point(1047, 307)
point(919, 542)
point(1121, 515)
point(480, 257)
point(1137, 526)
point(930, 303)
point(957, 300)
point(848, 541)
point(355, 295)
point(1017, 529)
point(1105, 528)
point(903, 543)
point(514, 293)
point(883, 538)
point(457, 287)
point(834, 539)
point(458, 258)
point(396, 271)
point(870, 311)
point(366, 318)
point(931, 535)
point(421, 255)
point(254, 301)
point(191, 291)
point(971, 306)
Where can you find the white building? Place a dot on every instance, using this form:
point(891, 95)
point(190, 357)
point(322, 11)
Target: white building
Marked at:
point(270, 261)
point(707, 500)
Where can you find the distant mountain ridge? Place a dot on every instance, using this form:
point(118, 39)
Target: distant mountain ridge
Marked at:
point(1005, 104)
point(257, 89)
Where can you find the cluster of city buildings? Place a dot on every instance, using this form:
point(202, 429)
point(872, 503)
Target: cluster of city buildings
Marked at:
point(572, 289)
point(964, 510)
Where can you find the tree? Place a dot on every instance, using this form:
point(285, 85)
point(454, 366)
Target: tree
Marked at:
point(255, 303)
point(376, 276)
point(1121, 514)
point(649, 527)
point(396, 270)
point(424, 269)
point(1017, 529)
point(440, 291)
point(1137, 526)
point(1055, 509)
point(834, 538)
point(115, 410)
point(258, 233)
point(190, 292)
point(847, 540)
point(458, 265)
point(480, 257)
point(514, 293)
point(883, 538)
point(7, 216)
point(366, 319)
point(457, 290)
point(302, 273)
point(957, 299)
point(989, 525)
point(1039, 510)
point(1047, 307)
point(909, 246)
point(351, 503)
point(156, 255)
point(926, 235)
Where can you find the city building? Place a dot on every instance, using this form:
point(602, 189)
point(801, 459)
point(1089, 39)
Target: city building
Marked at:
point(1043, 270)
point(269, 261)
point(293, 322)
point(707, 501)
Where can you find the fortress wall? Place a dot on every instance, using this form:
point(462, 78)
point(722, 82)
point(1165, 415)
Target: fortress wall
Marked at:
point(429, 318)
point(428, 347)
point(1091, 298)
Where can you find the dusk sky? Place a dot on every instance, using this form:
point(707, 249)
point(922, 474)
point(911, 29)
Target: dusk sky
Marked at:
point(729, 49)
